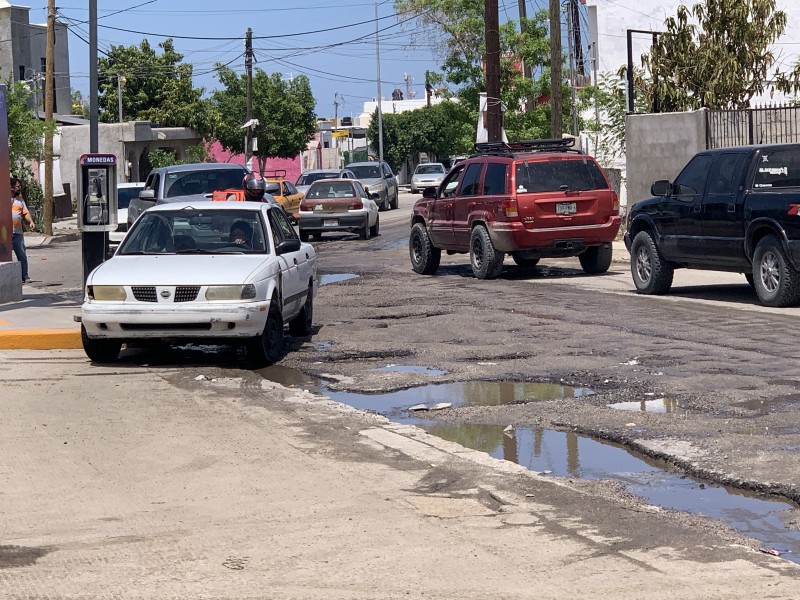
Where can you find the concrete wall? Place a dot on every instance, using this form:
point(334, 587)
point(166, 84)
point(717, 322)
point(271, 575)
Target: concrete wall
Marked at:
point(128, 141)
point(38, 49)
point(658, 146)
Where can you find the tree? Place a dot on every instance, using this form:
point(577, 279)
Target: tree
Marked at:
point(154, 87)
point(717, 55)
point(284, 109)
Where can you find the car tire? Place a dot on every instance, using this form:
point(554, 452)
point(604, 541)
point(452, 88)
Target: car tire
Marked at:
point(301, 325)
point(304, 235)
point(267, 348)
point(651, 272)
point(396, 203)
point(750, 280)
point(375, 230)
point(425, 257)
point(100, 351)
point(776, 281)
point(363, 233)
point(596, 259)
point(487, 263)
point(524, 262)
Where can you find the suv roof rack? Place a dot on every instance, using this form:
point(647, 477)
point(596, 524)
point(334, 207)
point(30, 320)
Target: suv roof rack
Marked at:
point(546, 145)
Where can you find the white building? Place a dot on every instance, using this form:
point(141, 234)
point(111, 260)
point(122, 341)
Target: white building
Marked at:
point(609, 20)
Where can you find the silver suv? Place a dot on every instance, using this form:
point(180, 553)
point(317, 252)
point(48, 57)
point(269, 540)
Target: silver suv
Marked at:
point(177, 183)
point(378, 179)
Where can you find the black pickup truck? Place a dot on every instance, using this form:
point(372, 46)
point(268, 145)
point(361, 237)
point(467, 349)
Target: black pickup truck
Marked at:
point(729, 209)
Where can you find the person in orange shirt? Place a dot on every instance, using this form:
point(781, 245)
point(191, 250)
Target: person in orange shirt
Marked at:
point(19, 214)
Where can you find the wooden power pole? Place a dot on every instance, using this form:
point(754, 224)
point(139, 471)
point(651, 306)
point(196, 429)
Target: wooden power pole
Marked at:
point(556, 77)
point(248, 67)
point(48, 117)
point(494, 112)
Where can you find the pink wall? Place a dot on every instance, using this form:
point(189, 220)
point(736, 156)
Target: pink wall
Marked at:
point(292, 166)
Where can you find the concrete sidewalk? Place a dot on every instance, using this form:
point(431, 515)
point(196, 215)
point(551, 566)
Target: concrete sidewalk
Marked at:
point(42, 321)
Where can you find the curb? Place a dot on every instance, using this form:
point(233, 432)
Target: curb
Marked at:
point(41, 339)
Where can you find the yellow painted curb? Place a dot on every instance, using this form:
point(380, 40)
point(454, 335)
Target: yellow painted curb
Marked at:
point(40, 339)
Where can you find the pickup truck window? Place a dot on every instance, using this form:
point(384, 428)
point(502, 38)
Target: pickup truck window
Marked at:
point(726, 175)
point(692, 180)
point(778, 169)
point(549, 176)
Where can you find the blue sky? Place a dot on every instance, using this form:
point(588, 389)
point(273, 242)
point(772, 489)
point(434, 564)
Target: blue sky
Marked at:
point(302, 30)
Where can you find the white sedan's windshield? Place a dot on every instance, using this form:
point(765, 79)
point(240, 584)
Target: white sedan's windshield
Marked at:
point(429, 169)
point(197, 232)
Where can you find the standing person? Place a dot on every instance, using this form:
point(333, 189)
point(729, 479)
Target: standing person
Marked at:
point(20, 212)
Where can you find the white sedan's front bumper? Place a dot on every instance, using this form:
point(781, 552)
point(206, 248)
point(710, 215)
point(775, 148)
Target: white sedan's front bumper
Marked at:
point(220, 320)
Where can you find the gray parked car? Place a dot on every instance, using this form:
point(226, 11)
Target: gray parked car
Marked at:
point(177, 183)
point(379, 181)
point(308, 177)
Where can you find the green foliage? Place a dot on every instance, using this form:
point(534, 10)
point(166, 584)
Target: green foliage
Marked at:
point(284, 109)
point(25, 130)
point(161, 157)
point(78, 105)
point(717, 55)
point(156, 87)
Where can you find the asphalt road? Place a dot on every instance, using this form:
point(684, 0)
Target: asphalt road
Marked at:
point(146, 480)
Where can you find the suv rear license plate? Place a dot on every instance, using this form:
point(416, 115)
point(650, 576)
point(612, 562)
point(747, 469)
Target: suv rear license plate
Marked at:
point(330, 222)
point(566, 208)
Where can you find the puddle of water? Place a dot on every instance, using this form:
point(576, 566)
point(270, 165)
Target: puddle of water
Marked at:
point(763, 405)
point(659, 405)
point(412, 369)
point(568, 454)
point(288, 377)
point(335, 278)
point(470, 393)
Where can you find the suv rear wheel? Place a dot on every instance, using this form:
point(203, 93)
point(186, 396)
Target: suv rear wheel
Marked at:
point(424, 256)
point(652, 274)
point(596, 259)
point(776, 281)
point(487, 263)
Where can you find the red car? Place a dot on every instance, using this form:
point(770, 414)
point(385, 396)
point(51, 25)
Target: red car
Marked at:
point(535, 199)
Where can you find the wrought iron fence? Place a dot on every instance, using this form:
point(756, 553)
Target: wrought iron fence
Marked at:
point(759, 125)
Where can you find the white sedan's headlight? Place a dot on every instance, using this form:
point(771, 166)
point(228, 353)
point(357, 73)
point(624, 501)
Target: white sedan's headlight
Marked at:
point(227, 293)
point(106, 293)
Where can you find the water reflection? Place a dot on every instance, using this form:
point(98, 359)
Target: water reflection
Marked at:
point(659, 405)
point(335, 278)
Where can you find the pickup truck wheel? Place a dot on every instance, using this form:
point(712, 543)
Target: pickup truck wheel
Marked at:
point(596, 259)
point(652, 274)
point(524, 262)
point(487, 263)
point(375, 230)
point(300, 326)
point(100, 351)
point(267, 348)
point(776, 281)
point(425, 256)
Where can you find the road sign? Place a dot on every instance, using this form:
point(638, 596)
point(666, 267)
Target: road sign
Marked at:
point(341, 133)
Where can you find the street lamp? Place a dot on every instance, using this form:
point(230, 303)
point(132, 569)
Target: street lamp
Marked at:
point(120, 82)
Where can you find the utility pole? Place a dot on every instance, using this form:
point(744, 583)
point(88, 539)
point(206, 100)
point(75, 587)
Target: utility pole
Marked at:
point(575, 32)
point(336, 110)
point(494, 113)
point(248, 66)
point(120, 82)
point(526, 68)
point(556, 102)
point(380, 97)
point(572, 73)
point(48, 117)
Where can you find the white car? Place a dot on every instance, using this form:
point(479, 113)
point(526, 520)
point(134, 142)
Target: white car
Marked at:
point(125, 193)
point(216, 272)
point(427, 175)
point(338, 205)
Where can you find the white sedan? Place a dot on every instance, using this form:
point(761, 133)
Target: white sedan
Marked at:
point(338, 205)
point(217, 272)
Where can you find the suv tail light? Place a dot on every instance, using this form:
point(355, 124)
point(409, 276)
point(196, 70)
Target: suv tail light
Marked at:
point(358, 205)
point(615, 203)
point(511, 210)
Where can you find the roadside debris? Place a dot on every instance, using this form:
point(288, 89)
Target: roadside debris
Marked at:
point(509, 431)
point(202, 378)
point(771, 551)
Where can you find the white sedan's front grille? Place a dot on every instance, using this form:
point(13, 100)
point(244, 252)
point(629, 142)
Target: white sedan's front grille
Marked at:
point(183, 293)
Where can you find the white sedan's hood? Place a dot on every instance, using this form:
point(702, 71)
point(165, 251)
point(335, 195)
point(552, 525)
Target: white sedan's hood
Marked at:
point(181, 269)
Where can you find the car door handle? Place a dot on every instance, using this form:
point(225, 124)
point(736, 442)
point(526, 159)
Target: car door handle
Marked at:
point(696, 208)
point(295, 260)
point(731, 208)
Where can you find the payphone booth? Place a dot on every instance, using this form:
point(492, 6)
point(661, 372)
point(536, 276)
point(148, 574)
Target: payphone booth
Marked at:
point(97, 192)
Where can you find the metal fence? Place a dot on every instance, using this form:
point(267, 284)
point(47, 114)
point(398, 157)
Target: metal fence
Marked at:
point(760, 125)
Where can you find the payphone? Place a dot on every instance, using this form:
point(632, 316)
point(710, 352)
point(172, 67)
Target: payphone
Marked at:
point(97, 192)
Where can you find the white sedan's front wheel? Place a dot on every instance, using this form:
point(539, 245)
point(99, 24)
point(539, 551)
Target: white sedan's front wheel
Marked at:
point(267, 348)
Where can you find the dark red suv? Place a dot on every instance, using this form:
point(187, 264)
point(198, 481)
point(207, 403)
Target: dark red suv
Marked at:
point(534, 199)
